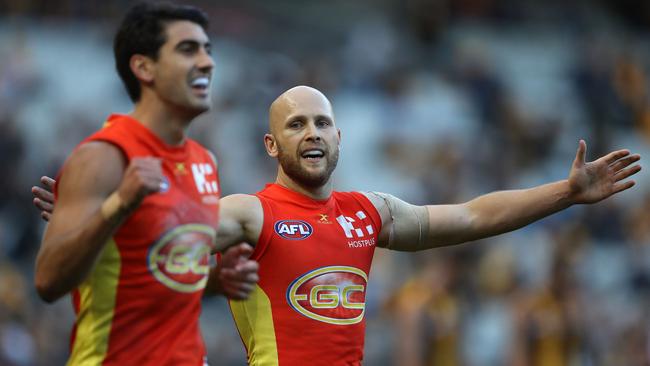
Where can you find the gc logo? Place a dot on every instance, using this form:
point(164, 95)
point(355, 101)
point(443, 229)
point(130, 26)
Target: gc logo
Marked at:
point(180, 258)
point(334, 295)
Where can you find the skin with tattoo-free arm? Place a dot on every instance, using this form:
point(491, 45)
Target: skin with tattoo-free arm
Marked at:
point(98, 191)
point(410, 228)
point(235, 276)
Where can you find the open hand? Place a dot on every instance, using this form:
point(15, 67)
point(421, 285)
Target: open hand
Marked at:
point(603, 177)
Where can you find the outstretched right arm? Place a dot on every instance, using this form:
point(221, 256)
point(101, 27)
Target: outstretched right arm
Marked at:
point(96, 193)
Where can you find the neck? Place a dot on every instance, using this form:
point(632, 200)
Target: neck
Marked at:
point(318, 193)
point(166, 122)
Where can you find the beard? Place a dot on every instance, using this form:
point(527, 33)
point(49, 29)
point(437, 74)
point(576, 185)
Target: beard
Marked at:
point(291, 166)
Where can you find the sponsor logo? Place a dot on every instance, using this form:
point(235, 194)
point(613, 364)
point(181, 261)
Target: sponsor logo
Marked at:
point(324, 219)
point(180, 258)
point(355, 230)
point(180, 169)
point(350, 229)
point(293, 229)
point(205, 178)
point(333, 295)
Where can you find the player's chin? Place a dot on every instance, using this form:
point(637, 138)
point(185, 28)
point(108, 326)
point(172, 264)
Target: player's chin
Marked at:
point(200, 106)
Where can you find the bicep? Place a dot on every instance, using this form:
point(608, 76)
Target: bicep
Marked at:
point(91, 173)
point(240, 220)
point(448, 224)
point(408, 227)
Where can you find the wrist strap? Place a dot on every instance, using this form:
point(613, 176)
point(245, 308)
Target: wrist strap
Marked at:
point(112, 206)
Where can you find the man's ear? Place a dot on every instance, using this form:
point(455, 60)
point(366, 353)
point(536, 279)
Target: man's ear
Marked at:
point(142, 67)
point(271, 145)
point(339, 133)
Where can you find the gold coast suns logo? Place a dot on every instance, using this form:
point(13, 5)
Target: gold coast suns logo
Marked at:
point(334, 295)
point(180, 258)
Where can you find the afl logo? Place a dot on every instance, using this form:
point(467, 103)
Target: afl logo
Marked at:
point(180, 259)
point(293, 229)
point(334, 295)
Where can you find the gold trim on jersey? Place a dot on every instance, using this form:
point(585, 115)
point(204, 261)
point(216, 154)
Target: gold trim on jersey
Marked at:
point(254, 320)
point(96, 309)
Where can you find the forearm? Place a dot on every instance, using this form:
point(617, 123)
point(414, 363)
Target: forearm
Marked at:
point(213, 286)
point(65, 259)
point(504, 211)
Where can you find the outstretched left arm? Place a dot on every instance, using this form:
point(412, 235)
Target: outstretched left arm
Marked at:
point(408, 227)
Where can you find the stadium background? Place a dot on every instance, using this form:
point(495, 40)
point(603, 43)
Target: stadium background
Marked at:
point(438, 101)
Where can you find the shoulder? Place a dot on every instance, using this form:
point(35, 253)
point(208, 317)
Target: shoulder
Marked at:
point(243, 201)
point(242, 210)
point(93, 166)
point(96, 155)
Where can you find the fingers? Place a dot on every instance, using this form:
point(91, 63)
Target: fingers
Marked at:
point(581, 153)
point(240, 281)
point(240, 250)
point(42, 194)
point(624, 162)
point(623, 186)
point(142, 177)
point(149, 170)
point(44, 201)
point(46, 216)
point(245, 271)
point(43, 205)
point(622, 174)
point(48, 182)
point(615, 155)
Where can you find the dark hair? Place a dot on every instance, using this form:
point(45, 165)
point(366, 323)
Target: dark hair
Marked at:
point(143, 32)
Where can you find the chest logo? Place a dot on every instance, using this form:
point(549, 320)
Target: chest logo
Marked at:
point(180, 258)
point(293, 229)
point(334, 295)
point(205, 178)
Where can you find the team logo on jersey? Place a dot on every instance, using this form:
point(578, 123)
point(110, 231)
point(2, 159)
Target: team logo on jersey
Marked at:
point(293, 229)
point(333, 295)
point(180, 258)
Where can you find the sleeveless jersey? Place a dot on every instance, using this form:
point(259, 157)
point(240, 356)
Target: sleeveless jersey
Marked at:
point(140, 304)
point(308, 307)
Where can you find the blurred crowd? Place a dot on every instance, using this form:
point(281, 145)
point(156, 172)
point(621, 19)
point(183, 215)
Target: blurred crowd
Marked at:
point(438, 101)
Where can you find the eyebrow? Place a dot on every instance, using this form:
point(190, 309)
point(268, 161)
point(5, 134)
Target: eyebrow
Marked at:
point(192, 42)
point(318, 117)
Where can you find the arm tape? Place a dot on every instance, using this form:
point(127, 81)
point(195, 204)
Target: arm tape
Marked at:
point(409, 224)
point(112, 207)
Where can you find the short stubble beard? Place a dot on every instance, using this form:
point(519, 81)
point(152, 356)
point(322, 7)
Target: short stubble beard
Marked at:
point(292, 167)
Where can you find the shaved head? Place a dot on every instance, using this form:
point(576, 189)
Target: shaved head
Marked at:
point(303, 137)
point(293, 100)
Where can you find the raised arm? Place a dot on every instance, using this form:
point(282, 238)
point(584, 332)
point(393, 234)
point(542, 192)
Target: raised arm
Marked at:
point(408, 227)
point(97, 192)
point(235, 274)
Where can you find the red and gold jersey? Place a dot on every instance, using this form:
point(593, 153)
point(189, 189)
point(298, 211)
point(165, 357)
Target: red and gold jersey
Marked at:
point(140, 304)
point(314, 256)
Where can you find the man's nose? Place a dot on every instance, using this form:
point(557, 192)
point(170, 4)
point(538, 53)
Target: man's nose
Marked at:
point(313, 132)
point(205, 62)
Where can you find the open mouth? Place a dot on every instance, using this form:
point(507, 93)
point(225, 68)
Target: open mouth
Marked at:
point(313, 155)
point(200, 85)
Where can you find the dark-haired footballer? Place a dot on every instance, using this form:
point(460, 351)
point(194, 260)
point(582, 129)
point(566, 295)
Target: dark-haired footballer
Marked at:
point(138, 206)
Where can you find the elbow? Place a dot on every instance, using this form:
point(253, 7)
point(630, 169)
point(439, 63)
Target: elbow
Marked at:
point(46, 289)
